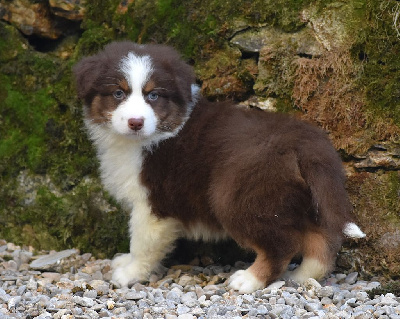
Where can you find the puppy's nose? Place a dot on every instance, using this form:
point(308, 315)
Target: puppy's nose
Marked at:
point(136, 124)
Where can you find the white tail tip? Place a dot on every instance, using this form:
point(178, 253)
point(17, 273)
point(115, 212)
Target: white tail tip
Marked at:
point(353, 231)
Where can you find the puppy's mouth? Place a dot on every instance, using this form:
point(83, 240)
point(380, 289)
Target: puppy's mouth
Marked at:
point(136, 134)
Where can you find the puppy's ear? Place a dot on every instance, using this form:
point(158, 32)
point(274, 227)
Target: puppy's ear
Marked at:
point(86, 72)
point(186, 81)
point(196, 94)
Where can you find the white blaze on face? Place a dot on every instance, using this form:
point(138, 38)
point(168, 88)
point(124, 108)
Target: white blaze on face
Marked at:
point(137, 71)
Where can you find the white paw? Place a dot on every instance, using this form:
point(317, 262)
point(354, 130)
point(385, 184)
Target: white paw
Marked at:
point(121, 261)
point(309, 268)
point(126, 269)
point(245, 282)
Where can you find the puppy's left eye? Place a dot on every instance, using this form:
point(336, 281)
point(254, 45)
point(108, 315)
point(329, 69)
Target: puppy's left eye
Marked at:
point(119, 94)
point(152, 96)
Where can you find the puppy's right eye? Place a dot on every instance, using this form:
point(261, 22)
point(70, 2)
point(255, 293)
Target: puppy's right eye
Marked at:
point(119, 94)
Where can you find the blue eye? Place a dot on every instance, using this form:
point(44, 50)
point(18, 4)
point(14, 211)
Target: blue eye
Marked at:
point(119, 94)
point(152, 96)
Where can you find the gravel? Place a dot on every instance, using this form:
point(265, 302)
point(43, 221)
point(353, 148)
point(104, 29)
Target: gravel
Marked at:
point(68, 285)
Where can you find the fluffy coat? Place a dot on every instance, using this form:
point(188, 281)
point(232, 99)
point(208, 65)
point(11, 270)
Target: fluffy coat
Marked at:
point(189, 167)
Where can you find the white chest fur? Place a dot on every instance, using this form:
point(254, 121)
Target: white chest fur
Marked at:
point(121, 161)
point(120, 165)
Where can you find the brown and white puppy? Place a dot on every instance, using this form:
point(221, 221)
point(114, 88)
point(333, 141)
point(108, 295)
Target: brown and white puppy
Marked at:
point(188, 167)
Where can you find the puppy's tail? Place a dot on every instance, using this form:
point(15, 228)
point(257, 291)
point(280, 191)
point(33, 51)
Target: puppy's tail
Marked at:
point(324, 175)
point(351, 230)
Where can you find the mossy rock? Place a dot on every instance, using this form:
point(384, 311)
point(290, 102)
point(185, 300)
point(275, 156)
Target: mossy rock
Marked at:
point(376, 204)
point(11, 43)
point(42, 137)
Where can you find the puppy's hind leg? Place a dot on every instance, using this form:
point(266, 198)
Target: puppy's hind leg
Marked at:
point(318, 258)
point(263, 271)
point(151, 240)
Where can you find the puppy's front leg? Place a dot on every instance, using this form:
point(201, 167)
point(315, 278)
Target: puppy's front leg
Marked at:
point(151, 240)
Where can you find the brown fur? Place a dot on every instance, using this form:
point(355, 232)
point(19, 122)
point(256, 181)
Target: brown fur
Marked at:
point(273, 183)
point(267, 179)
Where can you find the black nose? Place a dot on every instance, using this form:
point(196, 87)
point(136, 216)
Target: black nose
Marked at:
point(136, 124)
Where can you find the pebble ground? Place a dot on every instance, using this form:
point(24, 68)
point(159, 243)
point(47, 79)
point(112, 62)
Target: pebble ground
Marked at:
point(66, 285)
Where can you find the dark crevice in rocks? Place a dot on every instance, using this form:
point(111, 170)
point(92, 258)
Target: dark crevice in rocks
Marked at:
point(250, 55)
point(363, 56)
point(305, 55)
point(46, 45)
point(43, 45)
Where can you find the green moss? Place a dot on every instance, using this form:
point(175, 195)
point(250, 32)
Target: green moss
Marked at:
point(188, 25)
point(23, 126)
point(225, 75)
point(11, 42)
point(92, 40)
point(80, 218)
point(390, 199)
point(41, 135)
point(380, 55)
point(99, 12)
point(391, 287)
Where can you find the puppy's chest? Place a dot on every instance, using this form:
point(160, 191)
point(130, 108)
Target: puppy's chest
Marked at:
point(121, 167)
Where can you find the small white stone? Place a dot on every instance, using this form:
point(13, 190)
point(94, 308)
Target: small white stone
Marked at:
point(311, 283)
point(182, 309)
point(276, 285)
point(83, 301)
point(351, 278)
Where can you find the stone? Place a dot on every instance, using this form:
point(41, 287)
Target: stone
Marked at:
point(69, 9)
point(189, 299)
point(182, 309)
point(351, 278)
point(21, 290)
point(134, 295)
point(302, 42)
point(226, 75)
point(100, 286)
point(381, 156)
point(32, 284)
point(31, 18)
point(110, 304)
point(90, 294)
point(389, 300)
point(199, 291)
point(332, 26)
point(59, 262)
point(186, 280)
point(326, 291)
point(53, 276)
point(83, 301)
point(13, 302)
point(262, 310)
point(10, 265)
point(277, 52)
point(312, 306)
point(312, 284)
point(276, 285)
point(326, 301)
point(173, 296)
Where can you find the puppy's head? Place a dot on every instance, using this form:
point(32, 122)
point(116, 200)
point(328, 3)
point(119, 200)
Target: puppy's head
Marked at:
point(139, 91)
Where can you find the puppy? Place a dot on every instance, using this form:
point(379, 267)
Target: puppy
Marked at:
point(188, 167)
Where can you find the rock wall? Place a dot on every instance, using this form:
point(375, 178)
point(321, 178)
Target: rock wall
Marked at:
point(334, 63)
